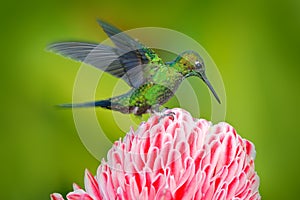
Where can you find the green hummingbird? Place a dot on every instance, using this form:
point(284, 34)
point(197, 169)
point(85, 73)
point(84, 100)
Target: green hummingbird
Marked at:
point(152, 81)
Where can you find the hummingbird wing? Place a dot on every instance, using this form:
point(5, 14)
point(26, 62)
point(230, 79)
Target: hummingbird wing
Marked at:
point(100, 56)
point(137, 59)
point(127, 60)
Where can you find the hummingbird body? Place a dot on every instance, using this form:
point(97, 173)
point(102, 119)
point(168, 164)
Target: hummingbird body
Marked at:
point(146, 98)
point(153, 81)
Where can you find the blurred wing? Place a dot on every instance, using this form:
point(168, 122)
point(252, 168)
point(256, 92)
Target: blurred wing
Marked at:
point(101, 56)
point(136, 56)
point(127, 61)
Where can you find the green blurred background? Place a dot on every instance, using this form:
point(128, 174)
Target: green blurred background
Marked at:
point(255, 44)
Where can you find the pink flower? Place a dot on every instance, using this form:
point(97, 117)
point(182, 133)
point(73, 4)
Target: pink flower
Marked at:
point(180, 158)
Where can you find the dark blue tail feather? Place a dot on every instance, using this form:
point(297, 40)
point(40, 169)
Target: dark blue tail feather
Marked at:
point(101, 103)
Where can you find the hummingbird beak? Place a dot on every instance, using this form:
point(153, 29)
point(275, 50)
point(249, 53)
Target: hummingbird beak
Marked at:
point(206, 81)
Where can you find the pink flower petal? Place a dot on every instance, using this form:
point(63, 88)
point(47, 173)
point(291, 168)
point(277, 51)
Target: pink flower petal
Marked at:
point(76, 187)
point(91, 185)
point(79, 195)
point(56, 196)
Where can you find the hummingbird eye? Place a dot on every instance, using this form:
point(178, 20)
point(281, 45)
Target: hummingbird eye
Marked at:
point(198, 64)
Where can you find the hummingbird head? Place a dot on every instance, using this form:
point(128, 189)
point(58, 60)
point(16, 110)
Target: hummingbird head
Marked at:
point(190, 63)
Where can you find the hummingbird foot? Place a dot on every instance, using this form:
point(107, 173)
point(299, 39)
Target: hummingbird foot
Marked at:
point(169, 114)
point(163, 113)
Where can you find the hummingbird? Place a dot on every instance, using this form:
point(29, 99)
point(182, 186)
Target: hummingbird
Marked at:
point(152, 81)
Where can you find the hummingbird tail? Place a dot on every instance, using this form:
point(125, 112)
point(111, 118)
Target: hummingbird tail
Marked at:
point(101, 103)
